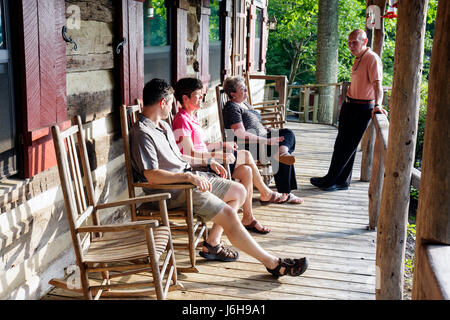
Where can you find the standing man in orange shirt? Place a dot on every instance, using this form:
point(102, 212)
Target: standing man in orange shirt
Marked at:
point(363, 100)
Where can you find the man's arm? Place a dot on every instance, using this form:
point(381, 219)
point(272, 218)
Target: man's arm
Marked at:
point(159, 176)
point(378, 89)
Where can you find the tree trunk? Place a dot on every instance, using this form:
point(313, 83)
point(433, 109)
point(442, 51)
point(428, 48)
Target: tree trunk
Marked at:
point(327, 56)
point(433, 218)
point(392, 223)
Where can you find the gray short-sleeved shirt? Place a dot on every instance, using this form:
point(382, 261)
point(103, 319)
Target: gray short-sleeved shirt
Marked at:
point(233, 113)
point(153, 147)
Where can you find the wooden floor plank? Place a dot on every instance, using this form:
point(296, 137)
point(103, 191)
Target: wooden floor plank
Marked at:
point(329, 228)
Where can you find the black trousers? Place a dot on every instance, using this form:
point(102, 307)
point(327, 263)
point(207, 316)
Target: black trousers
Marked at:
point(353, 121)
point(284, 175)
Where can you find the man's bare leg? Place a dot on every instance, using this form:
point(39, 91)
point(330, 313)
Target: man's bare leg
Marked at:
point(241, 239)
point(234, 197)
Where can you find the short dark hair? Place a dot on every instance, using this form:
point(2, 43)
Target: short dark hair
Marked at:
point(155, 90)
point(186, 86)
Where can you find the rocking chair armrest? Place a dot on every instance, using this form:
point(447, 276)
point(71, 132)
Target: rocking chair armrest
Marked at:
point(265, 102)
point(165, 186)
point(270, 107)
point(147, 198)
point(128, 226)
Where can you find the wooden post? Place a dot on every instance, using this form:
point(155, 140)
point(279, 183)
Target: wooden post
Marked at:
point(381, 126)
point(306, 104)
point(433, 217)
point(368, 140)
point(367, 146)
point(392, 221)
point(316, 105)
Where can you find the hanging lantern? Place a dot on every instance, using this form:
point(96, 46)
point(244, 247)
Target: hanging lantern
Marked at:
point(272, 23)
point(391, 12)
point(150, 10)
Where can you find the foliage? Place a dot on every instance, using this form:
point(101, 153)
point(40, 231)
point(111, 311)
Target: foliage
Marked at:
point(421, 123)
point(297, 30)
point(414, 193)
point(155, 33)
point(409, 259)
point(214, 31)
point(297, 26)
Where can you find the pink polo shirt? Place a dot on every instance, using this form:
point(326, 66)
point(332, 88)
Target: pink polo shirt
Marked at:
point(364, 74)
point(185, 125)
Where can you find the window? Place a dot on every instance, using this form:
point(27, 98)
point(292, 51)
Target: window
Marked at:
point(157, 42)
point(258, 37)
point(8, 162)
point(215, 41)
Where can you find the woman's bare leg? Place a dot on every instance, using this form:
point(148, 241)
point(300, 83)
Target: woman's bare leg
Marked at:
point(244, 157)
point(245, 176)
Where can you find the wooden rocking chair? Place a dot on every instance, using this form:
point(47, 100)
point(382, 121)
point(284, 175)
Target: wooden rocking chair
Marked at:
point(181, 219)
point(264, 168)
point(122, 249)
point(272, 111)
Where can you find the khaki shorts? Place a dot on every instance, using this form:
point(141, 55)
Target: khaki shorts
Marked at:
point(206, 204)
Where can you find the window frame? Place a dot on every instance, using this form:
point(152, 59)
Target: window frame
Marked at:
point(7, 57)
point(260, 16)
point(222, 5)
point(169, 37)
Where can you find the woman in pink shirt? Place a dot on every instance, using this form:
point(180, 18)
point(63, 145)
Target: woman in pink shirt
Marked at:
point(190, 138)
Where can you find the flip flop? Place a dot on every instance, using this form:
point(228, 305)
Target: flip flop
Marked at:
point(274, 198)
point(252, 227)
point(293, 199)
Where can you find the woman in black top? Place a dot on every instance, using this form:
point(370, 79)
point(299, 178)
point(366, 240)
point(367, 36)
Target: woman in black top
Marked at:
point(245, 122)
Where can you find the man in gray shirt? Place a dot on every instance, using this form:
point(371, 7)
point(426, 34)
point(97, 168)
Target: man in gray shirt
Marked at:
point(157, 159)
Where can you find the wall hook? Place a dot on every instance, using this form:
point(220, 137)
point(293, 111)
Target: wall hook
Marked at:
point(69, 39)
point(122, 44)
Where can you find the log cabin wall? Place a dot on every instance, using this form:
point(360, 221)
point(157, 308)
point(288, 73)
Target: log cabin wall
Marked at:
point(35, 245)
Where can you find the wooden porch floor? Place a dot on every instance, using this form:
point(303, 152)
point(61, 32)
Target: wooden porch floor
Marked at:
point(329, 228)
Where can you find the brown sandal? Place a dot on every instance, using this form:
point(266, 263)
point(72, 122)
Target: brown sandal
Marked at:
point(274, 198)
point(252, 227)
point(219, 252)
point(292, 267)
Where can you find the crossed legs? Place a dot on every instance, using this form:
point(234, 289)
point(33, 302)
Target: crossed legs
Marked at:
point(227, 220)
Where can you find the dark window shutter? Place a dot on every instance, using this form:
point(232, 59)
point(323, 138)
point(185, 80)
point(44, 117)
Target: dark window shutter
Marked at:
point(264, 40)
point(132, 53)
point(203, 49)
point(251, 39)
point(239, 38)
point(227, 42)
point(42, 56)
point(179, 37)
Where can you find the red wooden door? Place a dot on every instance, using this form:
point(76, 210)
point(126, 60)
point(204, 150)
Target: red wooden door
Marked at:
point(227, 42)
point(42, 60)
point(179, 38)
point(131, 46)
point(239, 58)
point(251, 39)
point(203, 49)
point(264, 38)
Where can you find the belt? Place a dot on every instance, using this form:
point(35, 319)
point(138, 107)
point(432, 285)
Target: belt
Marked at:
point(357, 101)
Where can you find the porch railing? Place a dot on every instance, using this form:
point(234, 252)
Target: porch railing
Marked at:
point(436, 257)
point(302, 100)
